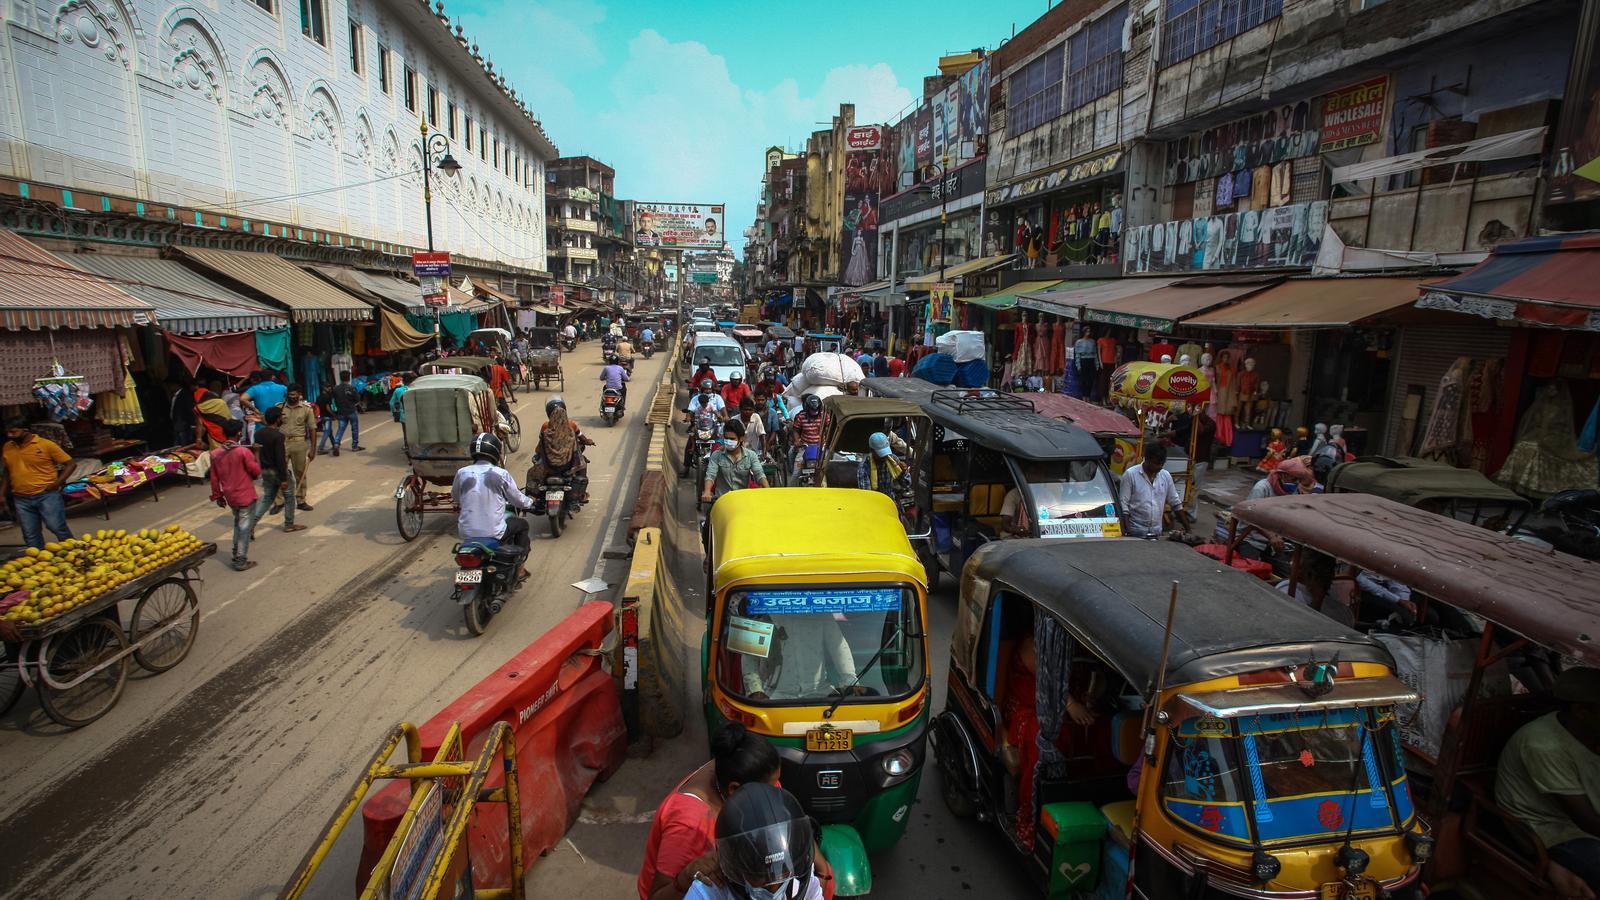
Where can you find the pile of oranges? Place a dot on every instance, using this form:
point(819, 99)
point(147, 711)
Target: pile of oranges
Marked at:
point(68, 574)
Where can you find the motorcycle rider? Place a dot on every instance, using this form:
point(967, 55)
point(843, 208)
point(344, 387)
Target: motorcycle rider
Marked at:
point(560, 451)
point(706, 405)
point(705, 371)
point(483, 491)
point(766, 849)
point(736, 391)
point(616, 379)
point(647, 338)
point(807, 427)
point(732, 467)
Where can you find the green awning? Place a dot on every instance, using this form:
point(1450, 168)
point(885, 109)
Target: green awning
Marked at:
point(1006, 298)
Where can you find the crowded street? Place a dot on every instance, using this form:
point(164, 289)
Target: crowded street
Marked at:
point(598, 448)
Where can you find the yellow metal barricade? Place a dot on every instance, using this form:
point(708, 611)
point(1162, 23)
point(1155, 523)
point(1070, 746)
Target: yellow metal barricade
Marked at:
point(448, 783)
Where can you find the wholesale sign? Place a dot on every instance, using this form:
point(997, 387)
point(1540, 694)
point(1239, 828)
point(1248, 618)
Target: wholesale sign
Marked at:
point(679, 226)
point(1353, 116)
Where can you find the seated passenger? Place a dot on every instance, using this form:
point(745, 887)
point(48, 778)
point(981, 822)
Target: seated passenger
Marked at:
point(1549, 778)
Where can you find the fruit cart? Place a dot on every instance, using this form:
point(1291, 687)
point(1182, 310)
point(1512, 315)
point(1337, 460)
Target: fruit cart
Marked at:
point(78, 658)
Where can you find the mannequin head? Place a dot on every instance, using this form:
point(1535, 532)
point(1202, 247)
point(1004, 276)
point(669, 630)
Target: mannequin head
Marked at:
point(1277, 434)
point(1205, 359)
point(1250, 364)
point(1166, 357)
point(1335, 431)
point(1185, 360)
point(1300, 432)
point(1322, 430)
point(1262, 388)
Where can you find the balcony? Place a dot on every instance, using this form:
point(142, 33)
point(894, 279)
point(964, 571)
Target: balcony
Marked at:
point(572, 223)
point(575, 253)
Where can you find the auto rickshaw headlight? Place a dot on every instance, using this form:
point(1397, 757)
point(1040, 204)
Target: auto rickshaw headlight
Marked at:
point(1421, 845)
point(898, 763)
point(1353, 860)
point(1264, 866)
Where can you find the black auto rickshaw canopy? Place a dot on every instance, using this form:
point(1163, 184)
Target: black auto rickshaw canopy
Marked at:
point(1112, 595)
point(995, 420)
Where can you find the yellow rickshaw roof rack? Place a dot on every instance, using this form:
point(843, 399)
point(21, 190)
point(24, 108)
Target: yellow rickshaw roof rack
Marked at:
point(808, 531)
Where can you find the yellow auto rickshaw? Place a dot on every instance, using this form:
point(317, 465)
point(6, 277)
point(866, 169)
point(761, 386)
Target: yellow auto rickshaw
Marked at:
point(1154, 393)
point(1117, 702)
point(816, 638)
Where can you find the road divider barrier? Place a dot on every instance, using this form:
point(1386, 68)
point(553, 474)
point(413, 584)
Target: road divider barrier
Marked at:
point(565, 712)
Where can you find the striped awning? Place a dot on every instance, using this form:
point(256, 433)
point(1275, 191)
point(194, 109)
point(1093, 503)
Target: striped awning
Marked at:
point(306, 297)
point(387, 288)
point(185, 301)
point(39, 290)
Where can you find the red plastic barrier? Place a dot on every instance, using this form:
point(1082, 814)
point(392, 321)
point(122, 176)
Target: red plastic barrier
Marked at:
point(1254, 567)
point(569, 733)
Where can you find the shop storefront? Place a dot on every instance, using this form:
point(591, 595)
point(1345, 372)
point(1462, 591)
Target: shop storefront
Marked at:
point(1070, 216)
point(912, 234)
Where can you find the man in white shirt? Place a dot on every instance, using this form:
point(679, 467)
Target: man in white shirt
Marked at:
point(1145, 490)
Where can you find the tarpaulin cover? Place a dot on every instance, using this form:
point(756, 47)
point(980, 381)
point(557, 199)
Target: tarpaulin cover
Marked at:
point(1090, 417)
point(272, 350)
point(395, 333)
point(1554, 271)
point(230, 352)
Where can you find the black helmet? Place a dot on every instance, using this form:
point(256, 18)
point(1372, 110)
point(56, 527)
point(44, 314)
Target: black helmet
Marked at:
point(812, 403)
point(765, 843)
point(486, 446)
point(554, 402)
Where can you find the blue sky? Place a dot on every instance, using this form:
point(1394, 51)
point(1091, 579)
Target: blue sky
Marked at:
point(682, 98)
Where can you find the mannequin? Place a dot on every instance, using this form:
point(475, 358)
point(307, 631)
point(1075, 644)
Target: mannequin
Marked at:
point(1302, 441)
point(1258, 414)
point(1185, 359)
point(1320, 440)
point(1210, 371)
point(1086, 364)
point(1249, 384)
point(1276, 449)
point(1336, 444)
point(1166, 357)
point(1225, 397)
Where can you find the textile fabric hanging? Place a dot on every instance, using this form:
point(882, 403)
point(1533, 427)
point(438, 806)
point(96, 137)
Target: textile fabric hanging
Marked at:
point(272, 350)
point(395, 332)
point(112, 408)
point(233, 353)
point(1054, 652)
point(1546, 458)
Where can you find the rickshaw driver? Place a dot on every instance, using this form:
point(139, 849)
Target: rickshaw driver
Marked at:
point(806, 649)
point(1077, 497)
point(483, 491)
point(1145, 489)
point(881, 468)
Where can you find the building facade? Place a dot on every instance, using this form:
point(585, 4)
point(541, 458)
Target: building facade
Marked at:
point(305, 115)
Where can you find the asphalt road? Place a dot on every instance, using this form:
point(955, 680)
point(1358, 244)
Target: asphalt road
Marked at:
point(940, 858)
point(212, 779)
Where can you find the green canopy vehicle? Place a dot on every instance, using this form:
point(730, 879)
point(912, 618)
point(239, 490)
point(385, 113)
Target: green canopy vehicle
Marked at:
point(1466, 495)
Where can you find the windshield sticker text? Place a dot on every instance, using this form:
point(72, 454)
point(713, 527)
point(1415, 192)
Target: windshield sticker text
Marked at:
point(770, 603)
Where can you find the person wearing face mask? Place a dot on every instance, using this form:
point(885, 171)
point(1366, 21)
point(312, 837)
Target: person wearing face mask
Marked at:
point(766, 849)
point(299, 427)
point(704, 407)
point(731, 467)
point(1292, 476)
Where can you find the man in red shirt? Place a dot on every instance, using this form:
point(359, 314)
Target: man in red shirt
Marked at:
point(500, 383)
point(897, 366)
point(736, 391)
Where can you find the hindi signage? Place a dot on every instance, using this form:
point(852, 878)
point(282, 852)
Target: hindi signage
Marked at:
point(1353, 116)
point(433, 274)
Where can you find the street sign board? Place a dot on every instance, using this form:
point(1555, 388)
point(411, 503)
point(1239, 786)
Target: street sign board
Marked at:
point(433, 273)
point(703, 277)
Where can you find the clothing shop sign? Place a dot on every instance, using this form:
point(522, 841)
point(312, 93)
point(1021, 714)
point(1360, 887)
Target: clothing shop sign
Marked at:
point(1353, 116)
point(1085, 170)
point(1275, 237)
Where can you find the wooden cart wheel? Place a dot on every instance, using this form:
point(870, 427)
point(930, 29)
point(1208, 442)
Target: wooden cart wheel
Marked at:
point(514, 436)
point(67, 657)
point(408, 510)
point(11, 685)
point(561, 378)
point(171, 602)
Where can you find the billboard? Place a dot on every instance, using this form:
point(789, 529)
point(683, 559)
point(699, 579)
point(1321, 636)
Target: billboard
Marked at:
point(866, 167)
point(1353, 116)
point(947, 130)
point(679, 226)
point(433, 272)
point(1275, 237)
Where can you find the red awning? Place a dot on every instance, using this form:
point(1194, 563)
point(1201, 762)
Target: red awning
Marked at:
point(1552, 280)
point(1091, 417)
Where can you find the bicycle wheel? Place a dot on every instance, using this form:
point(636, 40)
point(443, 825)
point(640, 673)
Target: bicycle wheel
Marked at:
point(514, 437)
point(74, 655)
point(167, 602)
point(408, 510)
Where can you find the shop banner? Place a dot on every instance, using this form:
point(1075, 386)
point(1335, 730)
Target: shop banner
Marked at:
point(941, 302)
point(922, 129)
point(433, 274)
point(864, 171)
point(1257, 239)
point(1260, 140)
point(1353, 116)
point(679, 226)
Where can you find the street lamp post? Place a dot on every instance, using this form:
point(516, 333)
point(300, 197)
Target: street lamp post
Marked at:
point(435, 151)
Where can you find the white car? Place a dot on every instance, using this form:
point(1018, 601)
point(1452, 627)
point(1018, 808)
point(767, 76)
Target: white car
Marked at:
point(725, 353)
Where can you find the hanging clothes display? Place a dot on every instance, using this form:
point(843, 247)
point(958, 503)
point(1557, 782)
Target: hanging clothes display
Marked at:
point(272, 350)
point(311, 375)
point(1042, 363)
point(1546, 457)
point(1443, 436)
point(1058, 348)
point(112, 408)
point(1020, 360)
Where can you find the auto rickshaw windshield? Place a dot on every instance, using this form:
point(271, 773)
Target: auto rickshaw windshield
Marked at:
point(811, 644)
point(1070, 489)
point(1305, 775)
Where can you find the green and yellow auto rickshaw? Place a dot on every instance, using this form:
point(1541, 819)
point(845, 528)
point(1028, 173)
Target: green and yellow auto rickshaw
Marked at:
point(816, 638)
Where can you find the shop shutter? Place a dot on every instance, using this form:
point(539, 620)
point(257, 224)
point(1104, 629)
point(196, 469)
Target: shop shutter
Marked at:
point(1424, 355)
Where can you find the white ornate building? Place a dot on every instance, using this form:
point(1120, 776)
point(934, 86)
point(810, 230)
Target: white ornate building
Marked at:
point(302, 112)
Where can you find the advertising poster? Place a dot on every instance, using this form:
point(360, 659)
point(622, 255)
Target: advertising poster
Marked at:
point(923, 128)
point(1267, 238)
point(1575, 175)
point(863, 177)
point(906, 151)
point(941, 147)
point(971, 106)
point(1353, 116)
point(679, 226)
point(433, 273)
point(888, 180)
point(941, 302)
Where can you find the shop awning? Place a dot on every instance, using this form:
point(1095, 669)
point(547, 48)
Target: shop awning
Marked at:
point(495, 293)
point(468, 302)
point(39, 290)
point(982, 264)
point(1068, 298)
point(1313, 303)
point(395, 333)
point(1006, 298)
point(307, 297)
point(376, 287)
point(185, 301)
point(1162, 308)
point(1551, 280)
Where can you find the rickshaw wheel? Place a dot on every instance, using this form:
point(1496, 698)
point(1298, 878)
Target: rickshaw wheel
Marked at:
point(84, 647)
point(408, 512)
point(164, 602)
point(514, 436)
point(10, 679)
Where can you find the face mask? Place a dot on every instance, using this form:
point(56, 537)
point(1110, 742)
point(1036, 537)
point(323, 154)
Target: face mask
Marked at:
point(761, 893)
point(729, 443)
point(1292, 487)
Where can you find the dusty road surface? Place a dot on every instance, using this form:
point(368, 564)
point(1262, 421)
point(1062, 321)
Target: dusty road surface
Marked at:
point(212, 779)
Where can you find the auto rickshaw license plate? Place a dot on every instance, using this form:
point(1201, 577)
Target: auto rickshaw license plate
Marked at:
point(1338, 890)
point(829, 740)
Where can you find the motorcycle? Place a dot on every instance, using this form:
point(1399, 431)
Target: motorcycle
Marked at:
point(611, 406)
point(703, 442)
point(1578, 515)
point(487, 574)
point(568, 344)
point(649, 349)
point(558, 501)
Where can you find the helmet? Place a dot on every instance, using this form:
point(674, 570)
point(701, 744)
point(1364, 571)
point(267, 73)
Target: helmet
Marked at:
point(554, 402)
point(707, 384)
point(487, 446)
point(736, 376)
point(812, 403)
point(879, 443)
point(765, 842)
